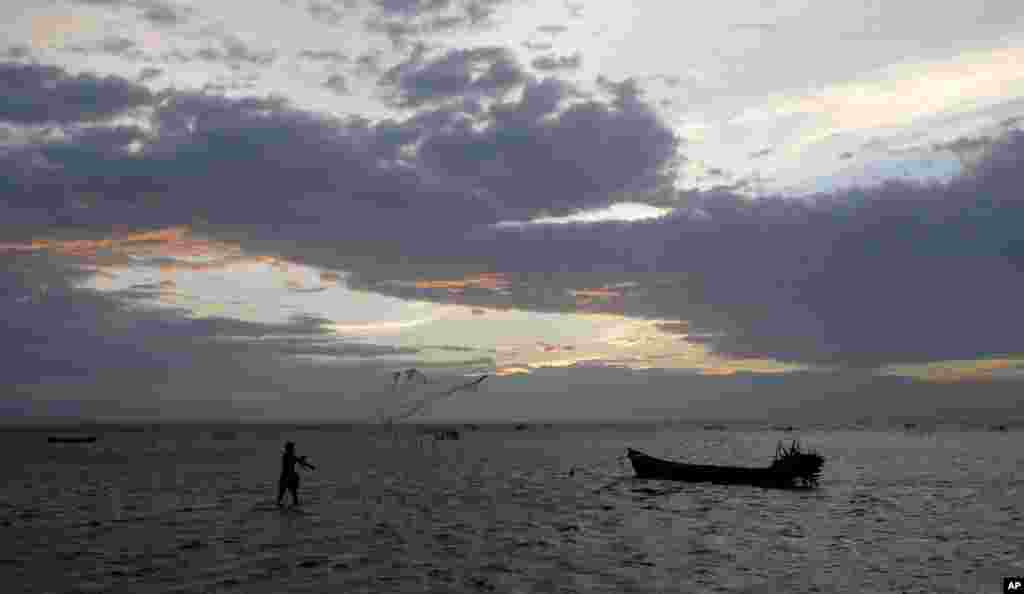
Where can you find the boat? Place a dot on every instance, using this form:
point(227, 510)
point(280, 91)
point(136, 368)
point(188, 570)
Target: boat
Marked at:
point(71, 439)
point(791, 469)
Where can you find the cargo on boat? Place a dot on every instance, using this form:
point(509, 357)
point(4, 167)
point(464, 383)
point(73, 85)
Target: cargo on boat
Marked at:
point(791, 469)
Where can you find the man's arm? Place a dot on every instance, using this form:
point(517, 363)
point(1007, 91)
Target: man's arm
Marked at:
point(302, 461)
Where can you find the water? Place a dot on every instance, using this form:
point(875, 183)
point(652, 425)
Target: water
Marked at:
point(188, 509)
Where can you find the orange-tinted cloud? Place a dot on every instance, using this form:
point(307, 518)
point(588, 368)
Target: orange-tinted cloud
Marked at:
point(53, 29)
point(492, 281)
point(975, 371)
point(717, 371)
point(511, 370)
point(123, 248)
point(600, 293)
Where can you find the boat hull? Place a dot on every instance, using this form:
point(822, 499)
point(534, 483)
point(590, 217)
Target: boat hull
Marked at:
point(649, 467)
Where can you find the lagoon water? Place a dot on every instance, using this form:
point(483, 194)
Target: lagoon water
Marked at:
point(190, 509)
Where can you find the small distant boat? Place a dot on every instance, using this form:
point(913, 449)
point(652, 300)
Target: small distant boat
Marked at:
point(715, 427)
point(71, 438)
point(1000, 428)
point(448, 434)
point(521, 427)
point(791, 469)
point(786, 428)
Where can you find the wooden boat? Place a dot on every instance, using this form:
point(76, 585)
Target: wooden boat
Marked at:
point(792, 469)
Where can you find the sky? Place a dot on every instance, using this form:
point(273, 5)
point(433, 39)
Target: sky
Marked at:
point(769, 209)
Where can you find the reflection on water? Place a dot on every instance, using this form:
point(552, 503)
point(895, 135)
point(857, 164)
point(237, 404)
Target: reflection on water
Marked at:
point(188, 509)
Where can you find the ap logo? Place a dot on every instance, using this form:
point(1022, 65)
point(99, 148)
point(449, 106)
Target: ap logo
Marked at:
point(1014, 584)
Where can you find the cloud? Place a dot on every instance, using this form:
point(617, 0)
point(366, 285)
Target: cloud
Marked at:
point(405, 21)
point(368, 64)
point(234, 51)
point(856, 278)
point(864, 277)
point(518, 159)
point(18, 52)
point(552, 30)
point(968, 150)
point(334, 56)
point(537, 46)
point(163, 14)
point(37, 94)
point(337, 84)
point(327, 12)
point(149, 73)
point(483, 71)
point(758, 27)
point(117, 46)
point(76, 352)
point(551, 62)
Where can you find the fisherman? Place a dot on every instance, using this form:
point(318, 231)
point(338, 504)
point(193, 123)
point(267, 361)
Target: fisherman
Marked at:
point(289, 476)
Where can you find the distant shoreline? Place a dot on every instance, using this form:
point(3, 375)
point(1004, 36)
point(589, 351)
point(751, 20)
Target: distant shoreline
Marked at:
point(892, 423)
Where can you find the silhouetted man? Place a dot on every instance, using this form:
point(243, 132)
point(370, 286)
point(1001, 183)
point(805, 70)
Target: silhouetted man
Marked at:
point(289, 476)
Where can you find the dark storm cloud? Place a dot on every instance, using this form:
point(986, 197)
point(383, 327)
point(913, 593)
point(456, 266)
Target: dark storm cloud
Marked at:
point(37, 94)
point(532, 157)
point(479, 71)
point(552, 62)
point(865, 277)
point(897, 273)
point(517, 159)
